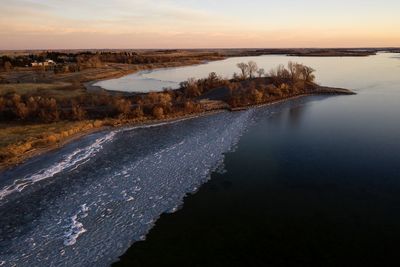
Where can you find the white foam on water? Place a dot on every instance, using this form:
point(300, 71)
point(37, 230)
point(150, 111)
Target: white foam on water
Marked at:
point(153, 125)
point(127, 196)
point(74, 160)
point(75, 227)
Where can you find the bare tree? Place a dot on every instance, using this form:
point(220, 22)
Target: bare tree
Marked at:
point(261, 72)
point(252, 68)
point(280, 73)
point(308, 74)
point(301, 72)
point(190, 87)
point(236, 76)
point(293, 70)
point(244, 68)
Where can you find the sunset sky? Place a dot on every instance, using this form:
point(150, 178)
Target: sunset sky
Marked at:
point(54, 24)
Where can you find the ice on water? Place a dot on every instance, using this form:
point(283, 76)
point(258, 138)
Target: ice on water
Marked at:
point(109, 195)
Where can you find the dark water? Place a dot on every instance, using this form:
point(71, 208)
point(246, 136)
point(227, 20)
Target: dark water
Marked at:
point(310, 182)
point(308, 186)
point(315, 184)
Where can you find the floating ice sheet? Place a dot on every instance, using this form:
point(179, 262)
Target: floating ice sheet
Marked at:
point(91, 204)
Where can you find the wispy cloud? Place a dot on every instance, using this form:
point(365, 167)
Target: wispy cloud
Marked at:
point(192, 23)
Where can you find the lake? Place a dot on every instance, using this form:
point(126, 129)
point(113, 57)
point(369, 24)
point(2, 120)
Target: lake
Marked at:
point(331, 71)
point(312, 181)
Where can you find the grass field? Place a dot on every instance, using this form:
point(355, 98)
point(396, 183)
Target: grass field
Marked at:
point(57, 90)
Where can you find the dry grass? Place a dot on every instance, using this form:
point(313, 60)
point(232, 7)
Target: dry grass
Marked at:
point(19, 142)
point(33, 88)
point(17, 134)
point(57, 90)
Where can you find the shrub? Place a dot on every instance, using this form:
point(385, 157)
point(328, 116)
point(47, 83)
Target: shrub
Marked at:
point(158, 112)
point(78, 113)
point(122, 106)
point(2, 104)
point(48, 110)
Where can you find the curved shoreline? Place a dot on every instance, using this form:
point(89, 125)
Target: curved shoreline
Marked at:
point(118, 123)
point(17, 153)
point(92, 87)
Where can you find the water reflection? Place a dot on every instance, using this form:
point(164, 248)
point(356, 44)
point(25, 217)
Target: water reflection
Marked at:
point(295, 116)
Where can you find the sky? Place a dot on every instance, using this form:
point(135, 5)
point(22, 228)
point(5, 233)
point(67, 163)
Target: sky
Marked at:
point(85, 24)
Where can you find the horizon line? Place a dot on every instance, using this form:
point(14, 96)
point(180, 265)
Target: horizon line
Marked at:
point(206, 48)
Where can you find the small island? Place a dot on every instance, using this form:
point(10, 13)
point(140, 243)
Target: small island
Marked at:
point(39, 122)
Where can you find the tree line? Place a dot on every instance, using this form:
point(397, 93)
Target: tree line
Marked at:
point(252, 85)
point(73, 62)
point(255, 86)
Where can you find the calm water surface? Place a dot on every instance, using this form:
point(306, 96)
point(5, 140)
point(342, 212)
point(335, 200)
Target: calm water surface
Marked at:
point(354, 72)
point(310, 182)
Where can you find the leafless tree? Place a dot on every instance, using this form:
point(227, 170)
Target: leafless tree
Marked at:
point(293, 69)
point(308, 74)
point(279, 74)
point(261, 72)
point(190, 87)
point(244, 69)
point(252, 68)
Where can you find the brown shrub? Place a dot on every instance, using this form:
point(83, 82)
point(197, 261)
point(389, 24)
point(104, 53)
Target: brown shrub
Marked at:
point(52, 138)
point(48, 110)
point(138, 112)
point(122, 106)
point(78, 113)
point(3, 103)
point(158, 112)
point(22, 111)
point(97, 123)
point(256, 96)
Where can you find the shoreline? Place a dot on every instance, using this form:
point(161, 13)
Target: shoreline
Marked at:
point(120, 124)
point(91, 87)
point(35, 152)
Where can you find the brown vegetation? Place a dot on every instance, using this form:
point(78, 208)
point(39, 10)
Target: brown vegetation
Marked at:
point(244, 89)
point(91, 110)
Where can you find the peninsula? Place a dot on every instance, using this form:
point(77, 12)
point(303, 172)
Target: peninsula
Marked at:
point(40, 116)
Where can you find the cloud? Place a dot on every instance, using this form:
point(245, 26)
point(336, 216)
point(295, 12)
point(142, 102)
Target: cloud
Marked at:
point(190, 23)
point(121, 16)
